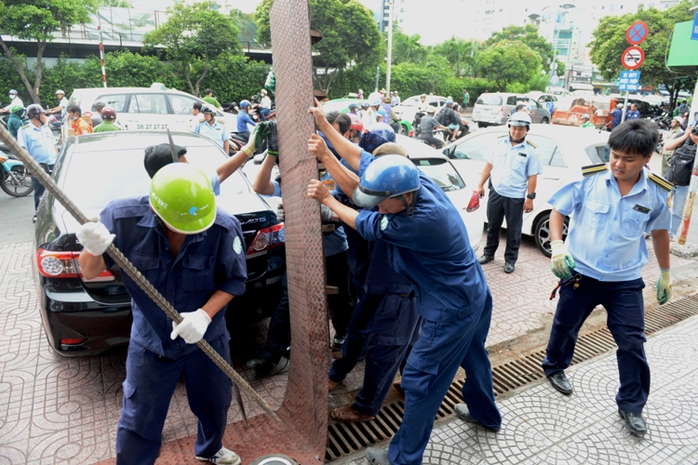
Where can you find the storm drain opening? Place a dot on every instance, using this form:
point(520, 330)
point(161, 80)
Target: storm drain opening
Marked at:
point(347, 438)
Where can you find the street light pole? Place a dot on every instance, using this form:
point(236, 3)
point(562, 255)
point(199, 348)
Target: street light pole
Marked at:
point(390, 47)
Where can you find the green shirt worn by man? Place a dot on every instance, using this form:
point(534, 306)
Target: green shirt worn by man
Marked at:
point(106, 126)
point(212, 101)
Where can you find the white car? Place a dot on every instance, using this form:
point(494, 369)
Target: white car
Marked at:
point(463, 195)
point(408, 107)
point(563, 151)
point(153, 108)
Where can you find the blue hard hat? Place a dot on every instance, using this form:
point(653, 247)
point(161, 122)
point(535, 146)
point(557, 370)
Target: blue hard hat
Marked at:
point(352, 106)
point(381, 112)
point(449, 102)
point(387, 176)
point(244, 103)
point(377, 135)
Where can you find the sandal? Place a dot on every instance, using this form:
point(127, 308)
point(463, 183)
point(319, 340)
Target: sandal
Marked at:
point(347, 414)
point(397, 384)
point(332, 384)
point(376, 456)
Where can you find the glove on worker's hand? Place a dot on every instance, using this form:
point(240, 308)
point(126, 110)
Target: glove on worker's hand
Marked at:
point(94, 237)
point(272, 139)
point(664, 286)
point(280, 212)
point(259, 133)
point(326, 213)
point(561, 262)
point(192, 328)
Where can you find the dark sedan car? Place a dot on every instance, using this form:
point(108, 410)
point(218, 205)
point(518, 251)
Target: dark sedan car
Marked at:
point(86, 317)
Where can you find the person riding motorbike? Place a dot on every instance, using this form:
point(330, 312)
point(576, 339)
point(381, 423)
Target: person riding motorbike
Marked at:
point(14, 121)
point(427, 126)
point(449, 118)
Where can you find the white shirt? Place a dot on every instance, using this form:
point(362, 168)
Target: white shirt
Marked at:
point(266, 102)
point(15, 102)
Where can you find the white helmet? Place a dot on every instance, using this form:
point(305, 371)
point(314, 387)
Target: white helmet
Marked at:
point(60, 91)
point(520, 118)
point(375, 99)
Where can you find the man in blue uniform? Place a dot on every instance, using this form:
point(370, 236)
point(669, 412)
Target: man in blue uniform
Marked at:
point(213, 129)
point(514, 166)
point(427, 242)
point(612, 207)
point(616, 115)
point(193, 254)
point(632, 113)
point(244, 120)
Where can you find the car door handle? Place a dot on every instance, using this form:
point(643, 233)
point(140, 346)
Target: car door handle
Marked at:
point(551, 179)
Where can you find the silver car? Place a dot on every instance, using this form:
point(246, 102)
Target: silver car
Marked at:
point(493, 109)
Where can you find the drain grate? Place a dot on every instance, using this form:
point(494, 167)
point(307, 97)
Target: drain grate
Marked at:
point(347, 438)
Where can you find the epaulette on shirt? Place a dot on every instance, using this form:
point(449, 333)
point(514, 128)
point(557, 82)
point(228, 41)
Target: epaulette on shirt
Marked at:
point(661, 182)
point(531, 144)
point(590, 170)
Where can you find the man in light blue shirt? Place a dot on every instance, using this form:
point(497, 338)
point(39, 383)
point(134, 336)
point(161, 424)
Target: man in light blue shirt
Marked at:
point(611, 207)
point(38, 140)
point(213, 129)
point(513, 166)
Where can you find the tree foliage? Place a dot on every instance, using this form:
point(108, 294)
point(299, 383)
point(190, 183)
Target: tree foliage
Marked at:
point(350, 37)
point(194, 36)
point(609, 42)
point(461, 55)
point(507, 63)
point(529, 36)
point(407, 49)
point(37, 22)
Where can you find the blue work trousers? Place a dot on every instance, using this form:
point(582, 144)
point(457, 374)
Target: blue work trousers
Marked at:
point(279, 332)
point(626, 321)
point(498, 208)
point(442, 347)
point(148, 388)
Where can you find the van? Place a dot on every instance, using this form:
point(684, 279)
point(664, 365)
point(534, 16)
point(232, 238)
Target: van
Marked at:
point(152, 108)
point(493, 109)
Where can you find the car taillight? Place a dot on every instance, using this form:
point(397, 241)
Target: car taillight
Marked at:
point(474, 203)
point(52, 264)
point(501, 110)
point(267, 238)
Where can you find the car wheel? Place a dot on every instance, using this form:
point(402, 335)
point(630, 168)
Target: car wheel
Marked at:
point(544, 121)
point(542, 234)
point(481, 125)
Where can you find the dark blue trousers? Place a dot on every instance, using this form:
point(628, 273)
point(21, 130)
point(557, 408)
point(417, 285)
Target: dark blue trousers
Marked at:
point(279, 332)
point(498, 208)
point(626, 321)
point(148, 388)
point(442, 347)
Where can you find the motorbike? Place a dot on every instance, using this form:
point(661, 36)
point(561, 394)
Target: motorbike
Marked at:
point(14, 177)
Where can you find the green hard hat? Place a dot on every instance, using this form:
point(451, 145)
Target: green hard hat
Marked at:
point(183, 199)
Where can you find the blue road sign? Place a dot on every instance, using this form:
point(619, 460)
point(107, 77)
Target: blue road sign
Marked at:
point(629, 81)
point(694, 31)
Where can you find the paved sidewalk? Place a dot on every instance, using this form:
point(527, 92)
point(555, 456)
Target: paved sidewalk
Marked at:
point(543, 426)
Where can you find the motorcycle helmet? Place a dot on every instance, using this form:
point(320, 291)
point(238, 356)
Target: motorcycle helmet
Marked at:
point(244, 103)
point(16, 109)
point(98, 105)
point(352, 106)
point(108, 113)
point(520, 118)
point(375, 99)
point(182, 197)
point(208, 109)
point(60, 91)
point(34, 110)
point(449, 101)
point(356, 123)
point(379, 134)
point(12, 92)
point(387, 176)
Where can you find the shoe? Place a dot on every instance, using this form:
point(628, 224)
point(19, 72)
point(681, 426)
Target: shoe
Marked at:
point(560, 382)
point(338, 342)
point(634, 422)
point(376, 456)
point(34, 219)
point(485, 259)
point(223, 456)
point(265, 367)
point(463, 413)
point(508, 267)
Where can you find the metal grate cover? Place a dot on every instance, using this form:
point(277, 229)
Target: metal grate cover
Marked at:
point(347, 438)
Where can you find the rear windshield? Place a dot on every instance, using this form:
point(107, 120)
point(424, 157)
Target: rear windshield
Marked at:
point(93, 178)
point(442, 173)
point(489, 99)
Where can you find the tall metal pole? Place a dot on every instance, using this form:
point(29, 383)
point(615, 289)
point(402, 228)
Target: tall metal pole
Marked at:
point(380, 28)
point(101, 55)
point(553, 64)
point(391, 5)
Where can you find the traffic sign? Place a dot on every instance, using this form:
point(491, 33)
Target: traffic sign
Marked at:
point(632, 57)
point(636, 33)
point(629, 81)
point(694, 31)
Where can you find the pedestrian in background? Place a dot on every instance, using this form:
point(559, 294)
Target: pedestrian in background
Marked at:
point(77, 123)
point(36, 137)
point(108, 119)
point(162, 227)
point(210, 99)
point(466, 99)
point(632, 113)
point(616, 115)
point(674, 132)
point(514, 166)
point(213, 129)
point(679, 173)
point(612, 208)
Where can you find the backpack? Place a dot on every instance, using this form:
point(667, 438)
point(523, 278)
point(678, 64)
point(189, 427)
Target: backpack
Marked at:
point(681, 165)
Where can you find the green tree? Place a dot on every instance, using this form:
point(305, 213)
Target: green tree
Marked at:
point(37, 22)
point(193, 37)
point(350, 37)
point(407, 49)
point(115, 3)
point(609, 42)
point(461, 55)
point(244, 23)
point(529, 36)
point(507, 63)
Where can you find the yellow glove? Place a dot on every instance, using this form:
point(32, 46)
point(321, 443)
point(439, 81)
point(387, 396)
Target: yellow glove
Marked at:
point(664, 286)
point(561, 262)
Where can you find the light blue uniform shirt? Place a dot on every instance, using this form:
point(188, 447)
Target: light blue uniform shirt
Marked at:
point(511, 167)
point(39, 142)
point(216, 132)
point(606, 237)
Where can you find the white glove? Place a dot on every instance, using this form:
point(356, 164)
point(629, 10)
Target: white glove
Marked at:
point(94, 237)
point(561, 262)
point(192, 328)
point(280, 213)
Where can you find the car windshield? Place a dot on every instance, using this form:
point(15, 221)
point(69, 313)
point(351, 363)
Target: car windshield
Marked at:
point(489, 99)
point(94, 176)
point(441, 172)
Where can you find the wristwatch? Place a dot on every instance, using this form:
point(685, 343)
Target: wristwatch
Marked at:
point(531, 196)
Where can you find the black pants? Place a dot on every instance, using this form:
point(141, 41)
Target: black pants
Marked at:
point(340, 305)
point(498, 208)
